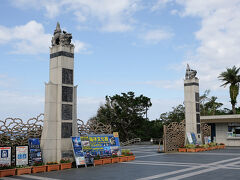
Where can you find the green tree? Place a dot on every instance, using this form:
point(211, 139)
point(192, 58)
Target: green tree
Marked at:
point(212, 106)
point(150, 129)
point(231, 77)
point(125, 113)
point(202, 99)
point(176, 115)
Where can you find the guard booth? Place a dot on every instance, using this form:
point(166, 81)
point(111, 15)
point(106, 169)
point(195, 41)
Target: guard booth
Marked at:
point(224, 128)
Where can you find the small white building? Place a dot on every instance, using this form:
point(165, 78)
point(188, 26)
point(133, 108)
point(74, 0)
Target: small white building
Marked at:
point(224, 128)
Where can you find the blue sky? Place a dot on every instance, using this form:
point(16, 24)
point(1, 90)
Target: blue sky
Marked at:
point(128, 45)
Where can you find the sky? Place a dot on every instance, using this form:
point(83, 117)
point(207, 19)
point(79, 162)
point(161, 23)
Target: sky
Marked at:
point(129, 45)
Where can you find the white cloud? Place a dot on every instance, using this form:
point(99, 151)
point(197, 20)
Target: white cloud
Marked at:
point(113, 15)
point(219, 38)
point(26, 39)
point(81, 47)
point(32, 39)
point(160, 4)
point(156, 35)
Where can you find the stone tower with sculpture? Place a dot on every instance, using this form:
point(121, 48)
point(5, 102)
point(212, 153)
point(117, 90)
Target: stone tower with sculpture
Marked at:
point(60, 120)
point(191, 102)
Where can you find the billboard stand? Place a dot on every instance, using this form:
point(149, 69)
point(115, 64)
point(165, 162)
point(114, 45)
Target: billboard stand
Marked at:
point(5, 156)
point(78, 151)
point(22, 155)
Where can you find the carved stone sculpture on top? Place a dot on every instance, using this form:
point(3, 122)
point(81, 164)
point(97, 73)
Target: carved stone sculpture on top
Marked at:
point(190, 73)
point(61, 38)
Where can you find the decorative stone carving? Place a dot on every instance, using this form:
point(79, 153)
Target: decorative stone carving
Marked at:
point(65, 39)
point(61, 38)
point(67, 94)
point(190, 73)
point(174, 136)
point(67, 76)
point(205, 130)
point(66, 130)
point(66, 112)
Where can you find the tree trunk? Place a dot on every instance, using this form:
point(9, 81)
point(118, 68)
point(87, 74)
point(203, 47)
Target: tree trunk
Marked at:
point(233, 109)
point(233, 89)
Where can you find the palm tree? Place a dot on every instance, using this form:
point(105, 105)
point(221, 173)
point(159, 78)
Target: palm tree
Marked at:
point(212, 105)
point(231, 77)
point(202, 99)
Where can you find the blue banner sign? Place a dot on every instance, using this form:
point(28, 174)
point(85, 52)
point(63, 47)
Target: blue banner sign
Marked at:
point(194, 138)
point(78, 151)
point(101, 144)
point(35, 153)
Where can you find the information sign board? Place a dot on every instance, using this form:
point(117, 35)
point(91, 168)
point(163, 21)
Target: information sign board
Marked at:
point(21, 155)
point(5, 155)
point(35, 153)
point(194, 138)
point(189, 137)
point(78, 151)
point(104, 144)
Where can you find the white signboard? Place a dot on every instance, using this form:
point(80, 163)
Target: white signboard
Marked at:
point(5, 155)
point(21, 155)
point(189, 137)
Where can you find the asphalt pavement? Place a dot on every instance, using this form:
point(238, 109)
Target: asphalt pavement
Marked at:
point(221, 164)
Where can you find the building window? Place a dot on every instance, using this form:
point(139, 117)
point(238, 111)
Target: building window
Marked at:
point(197, 107)
point(198, 118)
point(197, 97)
point(198, 129)
point(234, 130)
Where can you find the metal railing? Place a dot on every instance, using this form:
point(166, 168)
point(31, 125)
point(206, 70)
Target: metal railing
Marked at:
point(132, 141)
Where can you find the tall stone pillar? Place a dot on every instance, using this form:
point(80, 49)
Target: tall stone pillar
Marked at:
point(191, 101)
point(60, 116)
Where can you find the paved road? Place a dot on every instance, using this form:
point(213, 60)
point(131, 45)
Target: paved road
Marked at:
point(213, 165)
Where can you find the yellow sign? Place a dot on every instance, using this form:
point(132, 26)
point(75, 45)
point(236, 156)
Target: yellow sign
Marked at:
point(115, 134)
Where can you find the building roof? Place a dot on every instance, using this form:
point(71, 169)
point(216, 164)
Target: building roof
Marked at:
point(221, 118)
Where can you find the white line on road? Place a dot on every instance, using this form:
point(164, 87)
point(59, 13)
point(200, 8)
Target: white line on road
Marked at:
point(204, 153)
point(159, 164)
point(192, 173)
point(202, 171)
point(169, 162)
point(38, 177)
point(7, 178)
point(190, 169)
point(149, 155)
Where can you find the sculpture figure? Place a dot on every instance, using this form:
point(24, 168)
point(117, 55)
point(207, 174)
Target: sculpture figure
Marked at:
point(190, 73)
point(61, 38)
point(65, 38)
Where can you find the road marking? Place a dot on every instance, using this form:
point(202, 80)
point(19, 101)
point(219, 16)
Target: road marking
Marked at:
point(190, 169)
point(7, 178)
point(150, 155)
point(158, 164)
point(202, 171)
point(204, 153)
point(37, 177)
point(141, 152)
point(192, 173)
point(169, 162)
